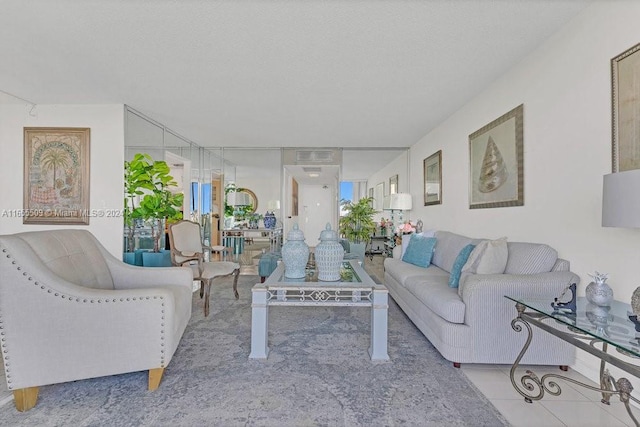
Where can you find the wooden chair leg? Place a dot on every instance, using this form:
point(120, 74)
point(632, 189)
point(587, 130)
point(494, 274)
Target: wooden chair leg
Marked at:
point(201, 288)
point(236, 273)
point(25, 398)
point(207, 291)
point(155, 375)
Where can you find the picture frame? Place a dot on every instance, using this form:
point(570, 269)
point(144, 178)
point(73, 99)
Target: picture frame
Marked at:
point(56, 176)
point(432, 172)
point(294, 197)
point(625, 110)
point(496, 162)
point(378, 196)
point(393, 184)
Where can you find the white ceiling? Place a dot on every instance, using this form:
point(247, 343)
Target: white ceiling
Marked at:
point(272, 73)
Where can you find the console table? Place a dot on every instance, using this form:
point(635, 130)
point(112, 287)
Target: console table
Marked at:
point(234, 238)
point(593, 329)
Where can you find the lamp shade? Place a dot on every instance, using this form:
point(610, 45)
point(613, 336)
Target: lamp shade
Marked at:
point(273, 205)
point(400, 202)
point(238, 198)
point(621, 199)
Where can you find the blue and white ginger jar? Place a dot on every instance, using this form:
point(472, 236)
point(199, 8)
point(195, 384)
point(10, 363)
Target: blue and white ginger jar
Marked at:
point(295, 254)
point(329, 254)
point(269, 220)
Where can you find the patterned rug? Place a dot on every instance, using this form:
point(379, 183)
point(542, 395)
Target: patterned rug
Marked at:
point(318, 373)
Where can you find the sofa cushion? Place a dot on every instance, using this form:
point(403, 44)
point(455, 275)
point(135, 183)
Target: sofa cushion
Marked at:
point(434, 292)
point(401, 271)
point(493, 257)
point(406, 239)
point(447, 249)
point(530, 258)
point(461, 260)
point(419, 251)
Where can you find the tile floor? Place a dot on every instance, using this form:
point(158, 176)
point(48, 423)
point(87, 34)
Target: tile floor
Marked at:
point(576, 406)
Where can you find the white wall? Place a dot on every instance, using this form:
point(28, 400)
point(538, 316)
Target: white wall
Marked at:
point(107, 157)
point(565, 87)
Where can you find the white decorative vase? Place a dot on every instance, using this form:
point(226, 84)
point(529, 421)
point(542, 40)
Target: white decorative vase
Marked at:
point(295, 254)
point(329, 254)
point(599, 292)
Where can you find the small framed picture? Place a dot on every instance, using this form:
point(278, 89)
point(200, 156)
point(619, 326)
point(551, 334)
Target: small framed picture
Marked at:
point(393, 184)
point(432, 167)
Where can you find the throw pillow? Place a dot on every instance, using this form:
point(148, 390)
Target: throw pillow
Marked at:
point(406, 239)
point(461, 260)
point(419, 250)
point(494, 258)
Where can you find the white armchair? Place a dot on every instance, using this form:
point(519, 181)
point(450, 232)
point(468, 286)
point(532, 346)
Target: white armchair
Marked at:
point(69, 310)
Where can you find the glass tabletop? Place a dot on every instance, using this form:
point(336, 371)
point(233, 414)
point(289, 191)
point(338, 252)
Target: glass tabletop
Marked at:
point(347, 275)
point(614, 325)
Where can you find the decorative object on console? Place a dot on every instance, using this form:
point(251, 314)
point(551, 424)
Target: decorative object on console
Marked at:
point(432, 170)
point(599, 292)
point(496, 163)
point(270, 217)
point(569, 305)
point(329, 254)
point(295, 254)
point(419, 226)
point(599, 317)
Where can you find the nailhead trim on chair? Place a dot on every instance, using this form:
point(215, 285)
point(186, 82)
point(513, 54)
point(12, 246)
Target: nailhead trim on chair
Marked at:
point(3, 343)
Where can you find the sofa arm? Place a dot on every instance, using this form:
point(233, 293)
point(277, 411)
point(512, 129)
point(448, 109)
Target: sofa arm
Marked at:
point(484, 294)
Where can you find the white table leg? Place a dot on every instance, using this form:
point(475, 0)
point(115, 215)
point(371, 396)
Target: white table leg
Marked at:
point(259, 324)
point(379, 319)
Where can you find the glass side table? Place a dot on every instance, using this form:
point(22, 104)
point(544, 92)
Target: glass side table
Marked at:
point(590, 328)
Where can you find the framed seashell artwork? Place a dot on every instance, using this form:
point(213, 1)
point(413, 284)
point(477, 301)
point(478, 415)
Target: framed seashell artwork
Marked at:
point(625, 110)
point(496, 175)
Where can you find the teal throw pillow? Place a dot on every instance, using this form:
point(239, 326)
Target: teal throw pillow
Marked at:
point(420, 250)
point(461, 260)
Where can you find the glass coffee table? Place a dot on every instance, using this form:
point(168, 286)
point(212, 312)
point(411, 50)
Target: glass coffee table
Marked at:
point(593, 329)
point(355, 289)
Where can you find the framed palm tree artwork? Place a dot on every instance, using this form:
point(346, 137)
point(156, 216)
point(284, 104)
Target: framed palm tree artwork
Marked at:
point(56, 176)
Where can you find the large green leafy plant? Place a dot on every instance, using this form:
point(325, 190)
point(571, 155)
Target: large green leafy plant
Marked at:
point(357, 224)
point(151, 180)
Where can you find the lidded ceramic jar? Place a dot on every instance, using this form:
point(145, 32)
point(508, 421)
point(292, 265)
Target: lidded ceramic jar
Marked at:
point(599, 292)
point(295, 254)
point(329, 254)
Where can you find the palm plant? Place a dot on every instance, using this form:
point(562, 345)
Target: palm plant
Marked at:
point(357, 224)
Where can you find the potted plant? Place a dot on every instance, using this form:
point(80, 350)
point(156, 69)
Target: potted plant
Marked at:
point(136, 179)
point(158, 204)
point(357, 224)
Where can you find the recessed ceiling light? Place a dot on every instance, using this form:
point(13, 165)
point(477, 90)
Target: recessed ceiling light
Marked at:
point(314, 175)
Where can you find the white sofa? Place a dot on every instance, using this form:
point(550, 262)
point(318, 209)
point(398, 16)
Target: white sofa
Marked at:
point(472, 323)
point(69, 310)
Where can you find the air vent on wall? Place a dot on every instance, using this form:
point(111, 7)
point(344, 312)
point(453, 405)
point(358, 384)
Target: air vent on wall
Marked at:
point(314, 156)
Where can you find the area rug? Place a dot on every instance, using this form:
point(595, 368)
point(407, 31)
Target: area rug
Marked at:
point(318, 374)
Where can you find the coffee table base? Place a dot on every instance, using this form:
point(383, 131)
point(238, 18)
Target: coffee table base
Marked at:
point(265, 295)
